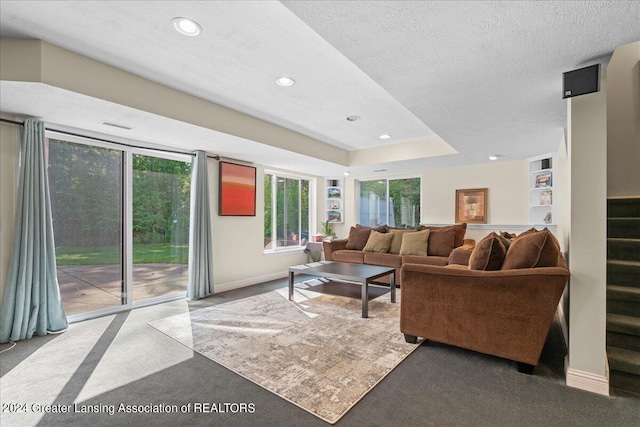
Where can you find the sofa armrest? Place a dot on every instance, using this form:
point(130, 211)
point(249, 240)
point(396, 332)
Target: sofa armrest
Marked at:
point(506, 313)
point(333, 245)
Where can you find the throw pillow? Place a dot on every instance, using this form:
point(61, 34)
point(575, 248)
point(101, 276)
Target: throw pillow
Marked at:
point(358, 237)
point(380, 229)
point(488, 254)
point(506, 238)
point(459, 229)
point(441, 241)
point(414, 243)
point(536, 249)
point(378, 242)
point(396, 242)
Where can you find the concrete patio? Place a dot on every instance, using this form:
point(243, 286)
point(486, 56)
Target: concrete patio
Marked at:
point(93, 287)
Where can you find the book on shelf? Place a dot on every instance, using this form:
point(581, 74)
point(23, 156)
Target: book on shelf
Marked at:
point(543, 180)
point(546, 198)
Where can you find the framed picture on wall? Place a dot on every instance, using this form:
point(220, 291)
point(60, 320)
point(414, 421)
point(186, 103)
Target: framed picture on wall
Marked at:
point(237, 190)
point(471, 206)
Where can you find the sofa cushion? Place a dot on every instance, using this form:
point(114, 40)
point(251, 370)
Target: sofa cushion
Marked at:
point(535, 249)
point(378, 242)
point(441, 241)
point(380, 229)
point(425, 260)
point(460, 256)
point(488, 255)
point(459, 229)
point(348, 255)
point(385, 260)
point(358, 237)
point(414, 243)
point(506, 238)
point(396, 243)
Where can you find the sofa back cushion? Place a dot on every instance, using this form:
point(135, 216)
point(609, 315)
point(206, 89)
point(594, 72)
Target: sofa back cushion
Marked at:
point(441, 241)
point(358, 237)
point(378, 242)
point(414, 243)
point(534, 249)
point(488, 254)
point(459, 232)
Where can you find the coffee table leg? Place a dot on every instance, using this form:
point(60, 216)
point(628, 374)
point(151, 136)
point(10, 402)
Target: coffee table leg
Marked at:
point(291, 286)
point(365, 298)
point(393, 286)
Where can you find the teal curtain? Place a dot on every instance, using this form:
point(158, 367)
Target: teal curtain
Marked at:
point(32, 303)
point(200, 249)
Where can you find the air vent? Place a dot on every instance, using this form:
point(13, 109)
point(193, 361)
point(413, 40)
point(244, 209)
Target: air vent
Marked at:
point(116, 125)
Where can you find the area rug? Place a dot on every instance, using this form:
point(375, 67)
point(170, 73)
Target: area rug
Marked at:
point(317, 352)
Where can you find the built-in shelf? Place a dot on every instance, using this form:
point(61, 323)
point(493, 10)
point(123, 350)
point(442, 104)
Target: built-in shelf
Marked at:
point(334, 196)
point(541, 188)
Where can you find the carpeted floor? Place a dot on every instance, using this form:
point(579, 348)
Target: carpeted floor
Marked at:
point(119, 360)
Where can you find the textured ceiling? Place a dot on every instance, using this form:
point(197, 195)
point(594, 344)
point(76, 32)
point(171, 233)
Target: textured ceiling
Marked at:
point(484, 76)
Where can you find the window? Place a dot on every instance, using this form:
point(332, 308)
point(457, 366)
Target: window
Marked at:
point(286, 211)
point(395, 202)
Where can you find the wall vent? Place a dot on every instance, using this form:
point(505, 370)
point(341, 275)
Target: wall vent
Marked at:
point(116, 125)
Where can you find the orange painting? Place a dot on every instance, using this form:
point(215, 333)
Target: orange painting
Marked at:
point(237, 190)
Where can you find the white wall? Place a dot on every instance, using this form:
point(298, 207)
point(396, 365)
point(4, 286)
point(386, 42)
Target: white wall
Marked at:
point(623, 121)
point(9, 152)
point(238, 256)
point(508, 184)
point(587, 148)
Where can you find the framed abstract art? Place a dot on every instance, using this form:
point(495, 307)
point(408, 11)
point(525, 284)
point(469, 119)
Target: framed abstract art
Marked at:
point(237, 190)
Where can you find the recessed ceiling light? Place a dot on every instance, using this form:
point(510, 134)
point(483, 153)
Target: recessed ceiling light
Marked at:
point(347, 173)
point(353, 118)
point(494, 156)
point(186, 26)
point(380, 170)
point(385, 136)
point(285, 81)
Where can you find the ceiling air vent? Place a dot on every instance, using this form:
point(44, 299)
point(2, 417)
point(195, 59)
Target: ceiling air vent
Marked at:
point(116, 125)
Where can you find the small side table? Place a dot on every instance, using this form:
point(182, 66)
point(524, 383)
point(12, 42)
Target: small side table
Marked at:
point(313, 251)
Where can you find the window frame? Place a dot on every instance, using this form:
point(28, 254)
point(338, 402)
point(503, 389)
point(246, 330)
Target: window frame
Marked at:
point(274, 202)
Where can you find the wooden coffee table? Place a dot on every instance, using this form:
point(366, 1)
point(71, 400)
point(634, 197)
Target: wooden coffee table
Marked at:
point(360, 273)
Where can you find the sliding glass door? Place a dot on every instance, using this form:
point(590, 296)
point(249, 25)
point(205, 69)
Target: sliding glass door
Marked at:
point(87, 200)
point(121, 224)
point(161, 189)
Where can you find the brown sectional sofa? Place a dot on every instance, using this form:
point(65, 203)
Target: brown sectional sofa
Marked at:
point(489, 309)
point(450, 247)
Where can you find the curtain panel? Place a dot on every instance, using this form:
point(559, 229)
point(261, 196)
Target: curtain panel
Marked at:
point(200, 248)
point(32, 304)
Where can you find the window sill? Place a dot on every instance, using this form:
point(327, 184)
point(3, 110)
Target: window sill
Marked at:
point(282, 252)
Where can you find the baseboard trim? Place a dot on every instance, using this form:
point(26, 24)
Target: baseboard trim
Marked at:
point(586, 380)
point(248, 282)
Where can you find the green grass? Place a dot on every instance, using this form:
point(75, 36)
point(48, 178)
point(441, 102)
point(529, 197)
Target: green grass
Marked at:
point(143, 253)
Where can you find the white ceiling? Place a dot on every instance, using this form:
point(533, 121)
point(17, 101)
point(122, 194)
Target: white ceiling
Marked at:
point(485, 76)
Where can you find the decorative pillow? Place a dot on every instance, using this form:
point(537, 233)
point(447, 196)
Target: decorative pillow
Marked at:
point(414, 243)
point(358, 237)
point(488, 254)
point(380, 229)
point(396, 243)
point(378, 242)
point(441, 241)
point(536, 249)
point(459, 229)
point(506, 238)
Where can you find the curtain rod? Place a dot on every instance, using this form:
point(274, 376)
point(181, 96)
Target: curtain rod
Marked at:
point(164, 150)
